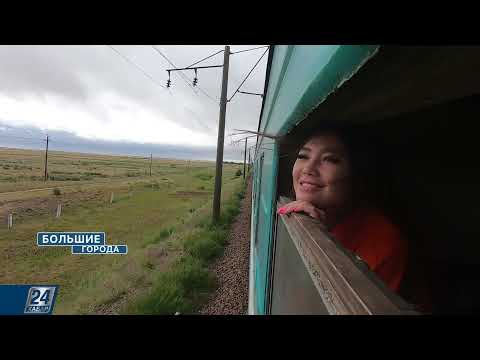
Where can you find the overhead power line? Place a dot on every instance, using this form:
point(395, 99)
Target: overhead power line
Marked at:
point(238, 52)
point(138, 67)
point(250, 93)
point(184, 76)
point(246, 77)
point(208, 57)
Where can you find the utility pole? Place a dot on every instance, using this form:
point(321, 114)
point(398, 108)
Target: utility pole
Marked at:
point(150, 164)
point(221, 124)
point(249, 159)
point(221, 134)
point(46, 161)
point(244, 158)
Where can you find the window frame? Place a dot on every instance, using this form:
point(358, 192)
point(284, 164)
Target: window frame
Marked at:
point(343, 281)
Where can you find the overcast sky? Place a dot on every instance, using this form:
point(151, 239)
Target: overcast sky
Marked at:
point(93, 93)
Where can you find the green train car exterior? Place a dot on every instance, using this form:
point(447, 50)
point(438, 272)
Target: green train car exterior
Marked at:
point(299, 78)
point(423, 104)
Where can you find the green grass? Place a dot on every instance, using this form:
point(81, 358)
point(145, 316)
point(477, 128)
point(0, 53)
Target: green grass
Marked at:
point(204, 176)
point(163, 235)
point(187, 284)
point(179, 289)
point(147, 214)
point(23, 169)
point(205, 244)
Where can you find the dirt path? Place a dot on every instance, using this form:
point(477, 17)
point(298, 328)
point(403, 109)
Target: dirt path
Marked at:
point(30, 208)
point(232, 269)
point(95, 183)
point(38, 204)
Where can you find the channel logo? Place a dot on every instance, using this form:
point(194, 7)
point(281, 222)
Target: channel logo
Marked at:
point(40, 300)
point(27, 299)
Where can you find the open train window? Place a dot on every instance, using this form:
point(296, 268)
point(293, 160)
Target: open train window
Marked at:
point(423, 115)
point(313, 273)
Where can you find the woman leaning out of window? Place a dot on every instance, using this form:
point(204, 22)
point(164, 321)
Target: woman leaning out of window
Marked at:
point(334, 181)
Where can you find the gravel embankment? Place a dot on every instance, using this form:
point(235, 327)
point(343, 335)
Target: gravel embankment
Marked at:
point(232, 268)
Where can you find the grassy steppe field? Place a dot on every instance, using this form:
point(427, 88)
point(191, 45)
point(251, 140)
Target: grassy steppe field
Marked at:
point(157, 216)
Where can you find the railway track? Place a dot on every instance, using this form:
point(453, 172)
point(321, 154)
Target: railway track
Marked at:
point(232, 268)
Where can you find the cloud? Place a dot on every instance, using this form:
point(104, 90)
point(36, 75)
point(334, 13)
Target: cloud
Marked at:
point(34, 138)
point(93, 92)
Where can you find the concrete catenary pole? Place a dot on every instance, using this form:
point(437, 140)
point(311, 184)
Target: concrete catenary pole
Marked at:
point(244, 158)
point(221, 134)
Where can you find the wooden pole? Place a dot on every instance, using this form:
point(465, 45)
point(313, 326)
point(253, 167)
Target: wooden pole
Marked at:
point(46, 161)
point(221, 134)
point(151, 159)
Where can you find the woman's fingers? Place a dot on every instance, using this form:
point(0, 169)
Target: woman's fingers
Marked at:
point(288, 208)
point(309, 209)
point(302, 206)
point(283, 209)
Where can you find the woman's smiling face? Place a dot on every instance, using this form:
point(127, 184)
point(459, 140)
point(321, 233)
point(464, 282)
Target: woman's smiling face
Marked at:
point(322, 172)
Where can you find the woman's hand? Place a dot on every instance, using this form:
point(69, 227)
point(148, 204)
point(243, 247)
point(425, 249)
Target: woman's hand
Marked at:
point(303, 206)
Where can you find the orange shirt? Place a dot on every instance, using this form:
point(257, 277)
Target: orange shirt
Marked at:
point(373, 237)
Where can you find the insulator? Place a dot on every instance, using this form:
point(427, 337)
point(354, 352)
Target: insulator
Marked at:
point(168, 81)
point(195, 79)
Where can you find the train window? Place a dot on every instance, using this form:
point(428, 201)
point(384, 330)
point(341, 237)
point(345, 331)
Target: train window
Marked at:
point(314, 274)
point(325, 262)
point(428, 169)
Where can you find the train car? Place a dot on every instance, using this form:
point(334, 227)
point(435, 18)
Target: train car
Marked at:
point(422, 103)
